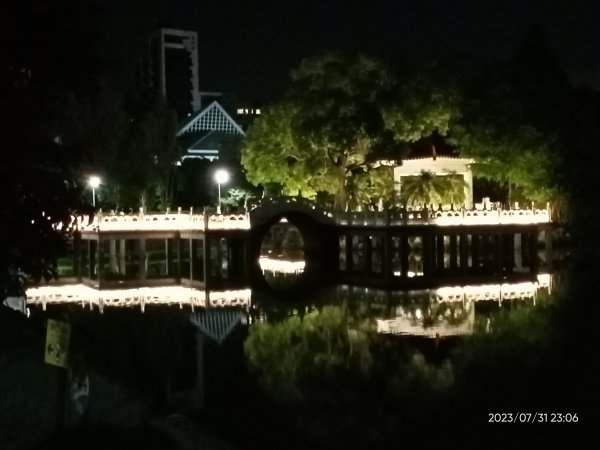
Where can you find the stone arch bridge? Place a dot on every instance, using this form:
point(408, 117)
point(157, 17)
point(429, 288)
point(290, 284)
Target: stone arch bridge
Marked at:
point(212, 250)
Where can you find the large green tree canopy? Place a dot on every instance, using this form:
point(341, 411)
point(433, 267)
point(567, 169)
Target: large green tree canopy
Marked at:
point(341, 116)
point(330, 126)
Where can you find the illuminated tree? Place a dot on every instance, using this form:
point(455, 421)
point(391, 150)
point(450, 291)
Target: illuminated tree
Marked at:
point(330, 126)
point(422, 190)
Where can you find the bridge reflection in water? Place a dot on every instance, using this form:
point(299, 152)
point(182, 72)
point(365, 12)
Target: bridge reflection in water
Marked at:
point(431, 312)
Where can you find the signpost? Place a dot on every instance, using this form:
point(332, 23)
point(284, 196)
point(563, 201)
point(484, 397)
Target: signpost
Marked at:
point(58, 335)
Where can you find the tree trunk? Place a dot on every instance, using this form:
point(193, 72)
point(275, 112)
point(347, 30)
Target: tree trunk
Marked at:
point(341, 197)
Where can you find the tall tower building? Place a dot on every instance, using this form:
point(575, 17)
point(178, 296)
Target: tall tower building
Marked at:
point(172, 68)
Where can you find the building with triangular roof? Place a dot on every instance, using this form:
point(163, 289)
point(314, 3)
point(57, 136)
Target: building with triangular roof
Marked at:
point(210, 134)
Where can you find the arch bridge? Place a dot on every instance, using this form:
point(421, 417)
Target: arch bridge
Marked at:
point(206, 250)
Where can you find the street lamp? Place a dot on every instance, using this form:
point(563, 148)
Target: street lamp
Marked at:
point(221, 176)
point(94, 182)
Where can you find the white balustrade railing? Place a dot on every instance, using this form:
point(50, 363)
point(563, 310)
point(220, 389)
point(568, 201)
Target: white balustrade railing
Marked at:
point(191, 221)
point(229, 222)
point(444, 218)
point(162, 222)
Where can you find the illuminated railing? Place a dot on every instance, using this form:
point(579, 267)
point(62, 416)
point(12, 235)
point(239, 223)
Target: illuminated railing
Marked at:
point(444, 218)
point(190, 221)
point(161, 222)
point(141, 297)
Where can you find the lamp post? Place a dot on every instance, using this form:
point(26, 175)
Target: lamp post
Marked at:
point(93, 182)
point(221, 176)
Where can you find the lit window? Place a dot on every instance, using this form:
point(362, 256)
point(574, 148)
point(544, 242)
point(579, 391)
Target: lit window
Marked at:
point(257, 111)
point(240, 111)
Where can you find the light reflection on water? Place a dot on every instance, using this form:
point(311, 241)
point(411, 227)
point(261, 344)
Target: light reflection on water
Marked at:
point(436, 312)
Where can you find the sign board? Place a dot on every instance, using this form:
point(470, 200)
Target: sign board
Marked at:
point(57, 343)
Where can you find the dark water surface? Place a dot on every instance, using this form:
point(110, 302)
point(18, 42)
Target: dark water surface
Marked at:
point(264, 371)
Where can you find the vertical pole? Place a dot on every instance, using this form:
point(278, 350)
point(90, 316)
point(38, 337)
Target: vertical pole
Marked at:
point(219, 203)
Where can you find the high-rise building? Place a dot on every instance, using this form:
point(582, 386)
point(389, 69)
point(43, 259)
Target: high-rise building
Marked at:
point(171, 66)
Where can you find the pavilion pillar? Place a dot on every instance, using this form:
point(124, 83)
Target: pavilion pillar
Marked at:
point(468, 177)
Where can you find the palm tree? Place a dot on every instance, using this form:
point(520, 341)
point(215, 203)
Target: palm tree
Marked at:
point(455, 187)
point(422, 190)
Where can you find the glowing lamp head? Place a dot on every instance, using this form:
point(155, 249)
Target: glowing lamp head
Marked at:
point(221, 176)
point(94, 181)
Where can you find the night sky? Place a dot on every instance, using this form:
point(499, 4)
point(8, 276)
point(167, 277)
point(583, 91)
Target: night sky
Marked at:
point(248, 47)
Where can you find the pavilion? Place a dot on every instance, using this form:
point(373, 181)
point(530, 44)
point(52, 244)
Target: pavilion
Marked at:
point(439, 166)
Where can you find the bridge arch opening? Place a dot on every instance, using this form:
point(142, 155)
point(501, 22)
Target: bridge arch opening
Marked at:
point(282, 259)
point(310, 241)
